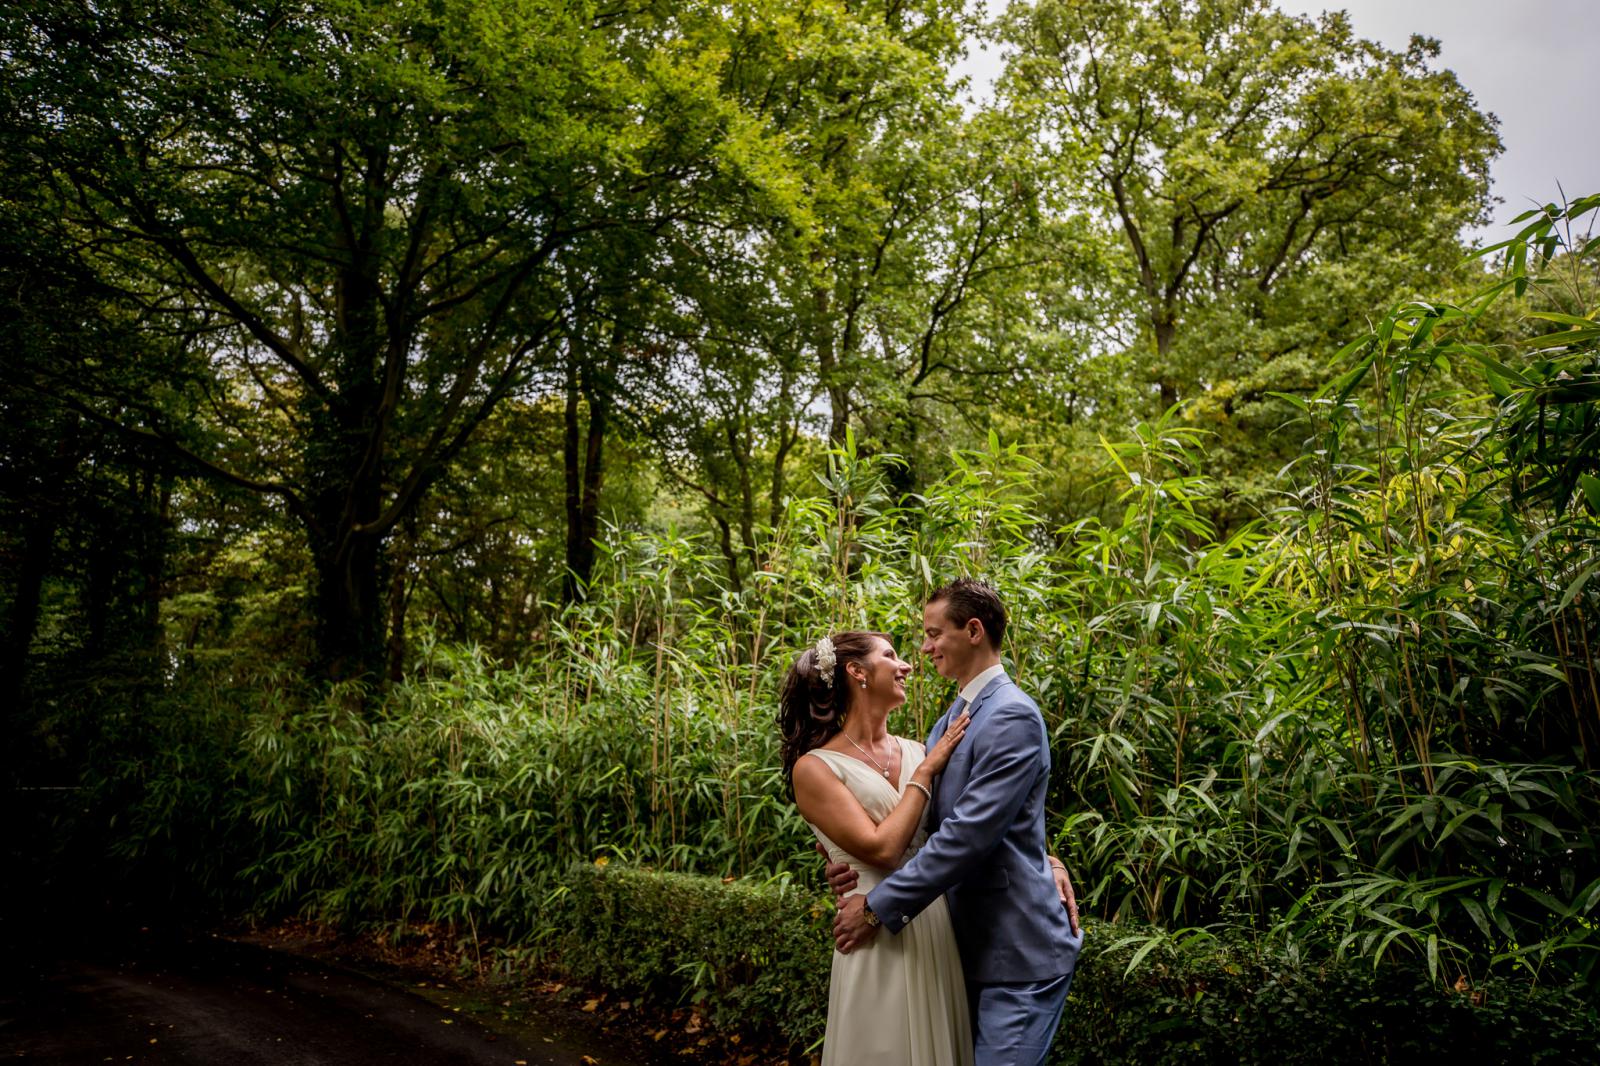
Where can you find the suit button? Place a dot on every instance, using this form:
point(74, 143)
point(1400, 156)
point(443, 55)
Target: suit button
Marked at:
point(904, 918)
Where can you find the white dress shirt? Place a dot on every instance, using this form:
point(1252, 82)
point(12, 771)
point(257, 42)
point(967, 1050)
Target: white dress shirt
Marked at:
point(975, 686)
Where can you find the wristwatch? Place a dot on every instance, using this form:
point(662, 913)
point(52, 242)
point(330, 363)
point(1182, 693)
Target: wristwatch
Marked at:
point(871, 919)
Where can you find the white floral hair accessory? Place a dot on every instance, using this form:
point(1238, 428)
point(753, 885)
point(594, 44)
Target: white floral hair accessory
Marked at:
point(825, 660)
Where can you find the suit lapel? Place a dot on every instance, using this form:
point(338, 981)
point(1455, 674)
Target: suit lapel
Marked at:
point(947, 787)
point(972, 708)
point(988, 690)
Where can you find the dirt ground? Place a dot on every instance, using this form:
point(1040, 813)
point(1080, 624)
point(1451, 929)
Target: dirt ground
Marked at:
point(197, 998)
point(296, 995)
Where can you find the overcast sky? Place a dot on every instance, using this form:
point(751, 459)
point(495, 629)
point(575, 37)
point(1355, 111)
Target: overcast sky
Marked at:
point(1535, 64)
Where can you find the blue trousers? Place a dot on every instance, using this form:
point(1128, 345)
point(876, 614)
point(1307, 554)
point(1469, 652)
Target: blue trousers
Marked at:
point(1015, 1024)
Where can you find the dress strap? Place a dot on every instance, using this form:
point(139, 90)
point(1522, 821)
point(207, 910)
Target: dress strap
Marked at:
point(830, 763)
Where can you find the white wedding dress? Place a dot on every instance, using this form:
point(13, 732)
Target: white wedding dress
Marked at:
point(901, 1000)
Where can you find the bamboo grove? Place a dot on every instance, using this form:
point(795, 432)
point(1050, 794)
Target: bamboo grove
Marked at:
point(433, 428)
point(1364, 723)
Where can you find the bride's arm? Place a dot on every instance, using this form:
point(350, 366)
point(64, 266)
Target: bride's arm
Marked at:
point(826, 803)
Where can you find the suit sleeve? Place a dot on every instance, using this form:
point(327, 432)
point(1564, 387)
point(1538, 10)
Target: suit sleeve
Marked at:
point(1006, 764)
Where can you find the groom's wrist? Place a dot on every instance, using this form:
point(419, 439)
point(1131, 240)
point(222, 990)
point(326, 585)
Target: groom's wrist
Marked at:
point(869, 917)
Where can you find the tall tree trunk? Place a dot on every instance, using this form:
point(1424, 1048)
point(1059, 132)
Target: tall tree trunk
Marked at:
point(1165, 326)
point(399, 601)
point(346, 453)
point(351, 637)
point(725, 541)
point(903, 476)
point(572, 585)
point(740, 447)
point(597, 394)
point(345, 479)
point(583, 454)
point(828, 368)
point(788, 434)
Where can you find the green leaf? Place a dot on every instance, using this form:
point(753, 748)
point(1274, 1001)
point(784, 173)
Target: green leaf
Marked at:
point(1564, 338)
point(1541, 823)
point(1557, 316)
point(1544, 668)
point(1547, 901)
point(1138, 956)
point(1577, 584)
point(1474, 911)
point(1266, 730)
point(1591, 491)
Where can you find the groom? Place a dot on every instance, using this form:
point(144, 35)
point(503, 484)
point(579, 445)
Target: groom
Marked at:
point(987, 853)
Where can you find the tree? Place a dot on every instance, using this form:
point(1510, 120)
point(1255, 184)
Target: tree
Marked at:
point(83, 518)
point(898, 301)
point(1270, 177)
point(344, 220)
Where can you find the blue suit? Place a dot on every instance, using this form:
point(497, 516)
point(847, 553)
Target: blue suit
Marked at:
point(986, 854)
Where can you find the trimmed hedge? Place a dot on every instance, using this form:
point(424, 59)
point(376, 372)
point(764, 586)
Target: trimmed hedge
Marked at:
point(1228, 1001)
point(757, 956)
point(753, 955)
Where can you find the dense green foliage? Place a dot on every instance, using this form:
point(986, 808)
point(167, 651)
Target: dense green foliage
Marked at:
point(325, 274)
point(752, 955)
point(1228, 1000)
point(758, 954)
point(557, 372)
point(1364, 723)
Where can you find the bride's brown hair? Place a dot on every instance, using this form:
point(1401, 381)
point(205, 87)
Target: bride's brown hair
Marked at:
point(812, 707)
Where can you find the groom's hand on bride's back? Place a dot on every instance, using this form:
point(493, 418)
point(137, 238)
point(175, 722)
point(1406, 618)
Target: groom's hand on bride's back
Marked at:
point(1069, 899)
point(841, 877)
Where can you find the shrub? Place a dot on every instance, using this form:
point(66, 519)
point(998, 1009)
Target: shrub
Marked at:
point(1226, 1000)
point(751, 954)
point(758, 954)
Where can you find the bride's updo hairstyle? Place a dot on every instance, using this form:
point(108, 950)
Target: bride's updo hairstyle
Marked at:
point(815, 699)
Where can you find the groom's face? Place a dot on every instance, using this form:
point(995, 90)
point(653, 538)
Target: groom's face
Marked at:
point(949, 647)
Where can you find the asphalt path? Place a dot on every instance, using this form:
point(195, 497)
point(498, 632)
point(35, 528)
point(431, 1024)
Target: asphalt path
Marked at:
point(201, 999)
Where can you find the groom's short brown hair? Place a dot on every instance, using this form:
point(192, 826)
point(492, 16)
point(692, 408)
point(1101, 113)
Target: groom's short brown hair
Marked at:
point(967, 598)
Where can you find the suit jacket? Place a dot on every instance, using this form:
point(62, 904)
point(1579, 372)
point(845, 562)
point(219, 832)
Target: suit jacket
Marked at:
point(986, 852)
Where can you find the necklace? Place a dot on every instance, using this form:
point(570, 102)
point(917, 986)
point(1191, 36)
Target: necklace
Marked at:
point(884, 769)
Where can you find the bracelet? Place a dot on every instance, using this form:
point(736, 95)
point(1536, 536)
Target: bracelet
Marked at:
point(919, 786)
point(1057, 864)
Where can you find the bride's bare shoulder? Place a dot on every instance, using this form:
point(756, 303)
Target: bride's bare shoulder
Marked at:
point(808, 770)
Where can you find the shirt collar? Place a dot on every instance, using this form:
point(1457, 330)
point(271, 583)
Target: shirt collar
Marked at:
point(976, 685)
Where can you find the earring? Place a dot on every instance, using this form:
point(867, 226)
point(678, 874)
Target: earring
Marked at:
point(863, 684)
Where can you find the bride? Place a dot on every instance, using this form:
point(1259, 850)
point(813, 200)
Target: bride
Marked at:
point(864, 792)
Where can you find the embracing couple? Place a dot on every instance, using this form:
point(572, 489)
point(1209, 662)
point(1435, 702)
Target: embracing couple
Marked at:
point(957, 930)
